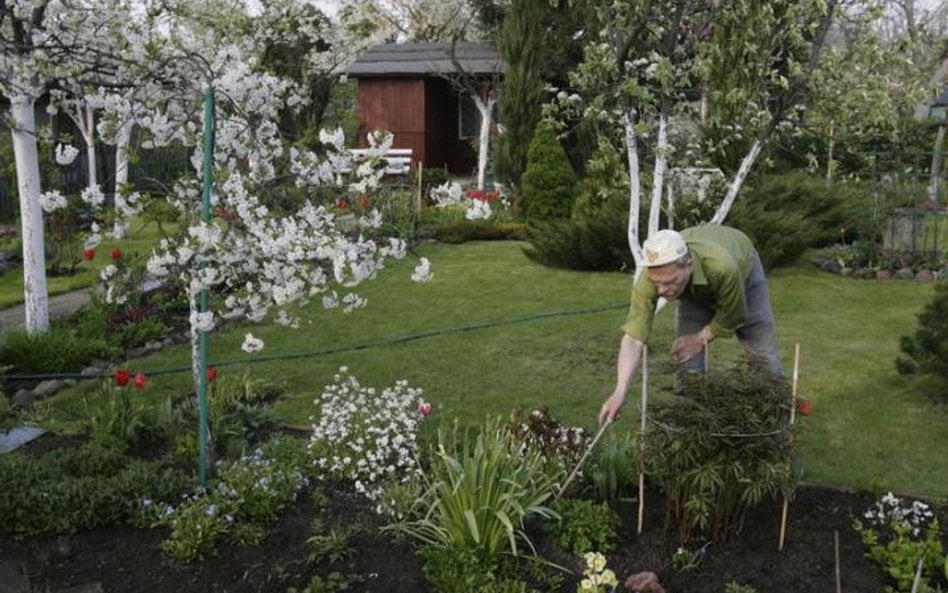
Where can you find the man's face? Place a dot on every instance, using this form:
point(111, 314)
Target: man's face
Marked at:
point(671, 279)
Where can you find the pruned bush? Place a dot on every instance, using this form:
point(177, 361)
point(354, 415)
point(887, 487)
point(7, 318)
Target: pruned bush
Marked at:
point(786, 214)
point(927, 350)
point(720, 447)
point(548, 185)
point(598, 243)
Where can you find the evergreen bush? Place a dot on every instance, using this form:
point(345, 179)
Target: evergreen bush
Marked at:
point(549, 182)
point(927, 351)
point(786, 214)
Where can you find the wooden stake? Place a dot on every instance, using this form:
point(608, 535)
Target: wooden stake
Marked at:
point(793, 415)
point(642, 435)
point(918, 575)
point(839, 582)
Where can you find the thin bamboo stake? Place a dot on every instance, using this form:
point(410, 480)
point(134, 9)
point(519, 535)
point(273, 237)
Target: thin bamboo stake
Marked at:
point(642, 435)
point(839, 582)
point(918, 575)
point(582, 459)
point(793, 415)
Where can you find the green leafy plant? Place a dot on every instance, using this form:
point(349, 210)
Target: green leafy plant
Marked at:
point(58, 350)
point(463, 570)
point(720, 447)
point(684, 559)
point(331, 583)
point(596, 577)
point(735, 587)
point(584, 526)
point(331, 547)
point(113, 416)
point(479, 490)
point(900, 535)
point(611, 469)
point(548, 184)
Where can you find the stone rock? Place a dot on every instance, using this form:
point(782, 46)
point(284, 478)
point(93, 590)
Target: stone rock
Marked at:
point(883, 274)
point(942, 274)
point(23, 398)
point(48, 388)
point(136, 352)
point(644, 582)
point(167, 342)
point(154, 346)
point(864, 274)
point(832, 266)
point(904, 274)
point(844, 271)
point(924, 276)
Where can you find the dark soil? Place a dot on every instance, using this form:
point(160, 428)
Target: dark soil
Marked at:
point(126, 560)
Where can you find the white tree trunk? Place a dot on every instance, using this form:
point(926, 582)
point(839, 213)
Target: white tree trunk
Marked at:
point(84, 118)
point(658, 175)
point(738, 181)
point(35, 295)
point(635, 189)
point(486, 110)
point(936, 180)
point(122, 140)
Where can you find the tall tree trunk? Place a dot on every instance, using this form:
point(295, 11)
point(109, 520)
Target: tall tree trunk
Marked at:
point(735, 186)
point(35, 295)
point(89, 133)
point(658, 175)
point(635, 189)
point(486, 109)
point(937, 179)
point(122, 140)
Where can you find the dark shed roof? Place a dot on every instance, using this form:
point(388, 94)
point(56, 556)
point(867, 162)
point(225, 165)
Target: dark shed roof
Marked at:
point(420, 59)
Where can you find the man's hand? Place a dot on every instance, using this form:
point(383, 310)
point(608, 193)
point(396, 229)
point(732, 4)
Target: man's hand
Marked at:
point(687, 347)
point(611, 408)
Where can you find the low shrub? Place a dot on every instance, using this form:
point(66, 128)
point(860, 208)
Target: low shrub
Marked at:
point(719, 448)
point(548, 184)
point(927, 350)
point(58, 350)
point(475, 230)
point(77, 489)
point(598, 243)
point(786, 214)
point(584, 526)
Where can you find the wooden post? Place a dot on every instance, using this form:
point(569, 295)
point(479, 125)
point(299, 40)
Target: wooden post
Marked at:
point(642, 435)
point(793, 415)
point(839, 581)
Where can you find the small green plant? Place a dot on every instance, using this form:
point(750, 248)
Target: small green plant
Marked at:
point(684, 559)
point(331, 547)
point(113, 416)
point(458, 570)
point(612, 468)
point(735, 587)
point(58, 350)
point(334, 582)
point(584, 526)
point(479, 490)
point(899, 536)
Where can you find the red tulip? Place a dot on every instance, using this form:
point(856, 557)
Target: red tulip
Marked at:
point(88, 254)
point(140, 381)
point(804, 407)
point(116, 254)
point(211, 373)
point(121, 377)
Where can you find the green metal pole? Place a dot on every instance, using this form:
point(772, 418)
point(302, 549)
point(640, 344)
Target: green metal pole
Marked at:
point(203, 303)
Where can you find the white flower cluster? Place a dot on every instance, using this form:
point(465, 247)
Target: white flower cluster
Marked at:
point(596, 576)
point(422, 272)
point(93, 196)
point(66, 154)
point(890, 509)
point(366, 437)
point(52, 201)
point(450, 195)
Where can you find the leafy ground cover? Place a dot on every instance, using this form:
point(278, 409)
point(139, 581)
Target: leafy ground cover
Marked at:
point(125, 559)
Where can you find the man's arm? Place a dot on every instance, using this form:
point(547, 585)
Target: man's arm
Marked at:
point(630, 356)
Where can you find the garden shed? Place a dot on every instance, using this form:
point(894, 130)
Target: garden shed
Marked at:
point(418, 91)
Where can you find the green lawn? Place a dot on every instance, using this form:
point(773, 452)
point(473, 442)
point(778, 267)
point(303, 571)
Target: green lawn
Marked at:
point(870, 428)
point(139, 242)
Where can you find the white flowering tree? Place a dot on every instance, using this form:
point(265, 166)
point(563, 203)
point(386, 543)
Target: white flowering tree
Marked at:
point(738, 70)
point(42, 42)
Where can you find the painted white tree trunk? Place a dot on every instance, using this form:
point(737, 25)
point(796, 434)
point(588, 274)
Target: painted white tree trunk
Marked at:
point(122, 140)
point(635, 189)
point(35, 295)
point(936, 180)
point(658, 175)
point(735, 186)
point(486, 109)
point(84, 118)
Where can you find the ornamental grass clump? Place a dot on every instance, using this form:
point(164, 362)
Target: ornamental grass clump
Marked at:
point(367, 437)
point(480, 489)
point(718, 447)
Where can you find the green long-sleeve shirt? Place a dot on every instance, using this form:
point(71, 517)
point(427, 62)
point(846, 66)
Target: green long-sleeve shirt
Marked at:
point(722, 258)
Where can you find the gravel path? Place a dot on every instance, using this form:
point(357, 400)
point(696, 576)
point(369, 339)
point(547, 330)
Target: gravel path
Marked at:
point(59, 305)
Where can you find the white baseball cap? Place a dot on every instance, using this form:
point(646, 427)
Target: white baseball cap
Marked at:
point(663, 247)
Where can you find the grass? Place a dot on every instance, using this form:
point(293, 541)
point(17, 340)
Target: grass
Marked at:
point(140, 240)
point(512, 337)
